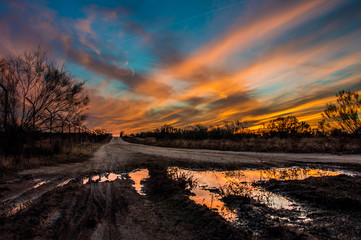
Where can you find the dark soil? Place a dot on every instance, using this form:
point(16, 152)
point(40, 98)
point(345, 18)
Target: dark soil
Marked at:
point(334, 204)
point(170, 196)
point(262, 222)
point(114, 210)
point(338, 192)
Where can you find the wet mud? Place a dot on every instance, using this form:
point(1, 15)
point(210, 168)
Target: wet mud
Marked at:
point(334, 203)
point(113, 210)
point(128, 191)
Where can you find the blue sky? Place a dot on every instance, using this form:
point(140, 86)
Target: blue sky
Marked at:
point(147, 63)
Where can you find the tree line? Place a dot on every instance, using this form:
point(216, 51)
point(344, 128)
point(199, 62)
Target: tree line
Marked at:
point(341, 118)
point(39, 97)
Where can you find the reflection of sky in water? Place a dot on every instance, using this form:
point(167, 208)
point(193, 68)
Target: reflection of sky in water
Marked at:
point(18, 207)
point(137, 176)
point(239, 182)
point(110, 177)
point(39, 183)
point(212, 201)
point(64, 182)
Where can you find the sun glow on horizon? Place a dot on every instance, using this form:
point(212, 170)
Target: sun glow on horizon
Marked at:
point(176, 63)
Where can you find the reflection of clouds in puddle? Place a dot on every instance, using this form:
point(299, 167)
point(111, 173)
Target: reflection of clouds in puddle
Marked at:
point(105, 177)
point(270, 199)
point(62, 184)
point(39, 183)
point(294, 173)
point(239, 183)
point(110, 177)
point(136, 176)
point(212, 201)
point(95, 178)
point(18, 207)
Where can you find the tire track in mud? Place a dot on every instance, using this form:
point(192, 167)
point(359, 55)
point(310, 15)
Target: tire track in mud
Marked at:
point(75, 211)
point(97, 211)
point(100, 210)
point(104, 210)
point(20, 200)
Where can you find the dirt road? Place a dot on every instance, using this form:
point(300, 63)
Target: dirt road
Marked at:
point(118, 153)
point(54, 203)
point(201, 155)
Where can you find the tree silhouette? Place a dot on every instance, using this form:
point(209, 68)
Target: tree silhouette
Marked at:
point(343, 115)
point(38, 95)
point(287, 126)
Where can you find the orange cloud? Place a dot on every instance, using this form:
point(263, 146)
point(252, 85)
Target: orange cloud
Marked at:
point(297, 77)
point(261, 26)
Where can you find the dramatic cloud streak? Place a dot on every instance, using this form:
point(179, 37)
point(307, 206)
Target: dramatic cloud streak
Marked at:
point(178, 63)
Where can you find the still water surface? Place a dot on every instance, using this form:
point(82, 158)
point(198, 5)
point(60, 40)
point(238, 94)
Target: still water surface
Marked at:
point(212, 185)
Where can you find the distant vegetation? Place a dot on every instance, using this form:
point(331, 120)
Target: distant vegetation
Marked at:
point(340, 121)
point(42, 108)
point(344, 115)
point(340, 118)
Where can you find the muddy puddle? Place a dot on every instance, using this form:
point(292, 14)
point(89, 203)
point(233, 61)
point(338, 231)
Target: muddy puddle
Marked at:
point(136, 177)
point(210, 189)
point(22, 200)
point(212, 186)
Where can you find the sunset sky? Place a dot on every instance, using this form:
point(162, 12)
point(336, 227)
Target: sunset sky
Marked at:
point(181, 62)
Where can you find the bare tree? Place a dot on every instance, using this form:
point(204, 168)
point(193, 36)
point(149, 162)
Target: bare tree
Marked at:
point(9, 98)
point(344, 114)
point(38, 93)
point(287, 126)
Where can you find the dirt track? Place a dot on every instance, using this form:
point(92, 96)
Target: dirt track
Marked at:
point(201, 155)
point(117, 153)
point(53, 203)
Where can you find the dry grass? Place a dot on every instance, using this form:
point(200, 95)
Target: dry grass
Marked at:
point(274, 144)
point(335, 192)
point(45, 154)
